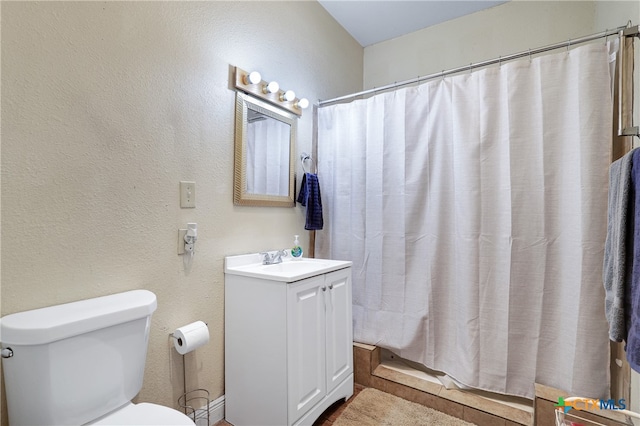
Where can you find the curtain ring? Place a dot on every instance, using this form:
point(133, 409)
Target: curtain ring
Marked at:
point(568, 45)
point(442, 75)
point(606, 36)
point(499, 61)
point(470, 67)
point(529, 54)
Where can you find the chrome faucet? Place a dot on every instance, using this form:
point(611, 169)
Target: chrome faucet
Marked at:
point(273, 258)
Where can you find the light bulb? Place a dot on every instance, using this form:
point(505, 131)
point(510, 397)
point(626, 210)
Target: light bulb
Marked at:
point(272, 87)
point(253, 78)
point(288, 96)
point(302, 103)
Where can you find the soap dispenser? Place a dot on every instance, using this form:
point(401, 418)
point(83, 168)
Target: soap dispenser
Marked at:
point(296, 251)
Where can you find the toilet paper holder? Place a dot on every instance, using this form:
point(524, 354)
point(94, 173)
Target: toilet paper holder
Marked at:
point(187, 400)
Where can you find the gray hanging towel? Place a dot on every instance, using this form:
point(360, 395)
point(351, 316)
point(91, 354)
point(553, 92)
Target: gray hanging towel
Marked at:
point(615, 252)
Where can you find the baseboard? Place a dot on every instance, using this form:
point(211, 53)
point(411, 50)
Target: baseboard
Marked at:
point(216, 413)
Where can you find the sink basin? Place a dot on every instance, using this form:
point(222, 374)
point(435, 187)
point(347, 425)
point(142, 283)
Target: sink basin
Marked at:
point(250, 265)
point(293, 267)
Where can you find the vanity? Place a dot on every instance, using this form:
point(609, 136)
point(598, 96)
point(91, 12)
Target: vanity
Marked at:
point(288, 339)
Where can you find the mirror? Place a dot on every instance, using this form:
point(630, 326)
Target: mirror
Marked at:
point(264, 152)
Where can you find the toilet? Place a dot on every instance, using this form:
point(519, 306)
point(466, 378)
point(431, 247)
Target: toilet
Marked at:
point(81, 363)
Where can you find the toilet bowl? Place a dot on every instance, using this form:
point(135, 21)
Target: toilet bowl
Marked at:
point(144, 414)
point(81, 363)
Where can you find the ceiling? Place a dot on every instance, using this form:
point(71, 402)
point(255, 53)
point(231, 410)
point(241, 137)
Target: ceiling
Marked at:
point(373, 21)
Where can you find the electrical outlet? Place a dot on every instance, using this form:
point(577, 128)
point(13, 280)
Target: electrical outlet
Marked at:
point(181, 234)
point(187, 194)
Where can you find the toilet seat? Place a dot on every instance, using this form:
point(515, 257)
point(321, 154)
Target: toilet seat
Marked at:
point(145, 414)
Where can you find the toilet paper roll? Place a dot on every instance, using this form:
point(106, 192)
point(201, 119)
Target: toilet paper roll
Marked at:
point(190, 337)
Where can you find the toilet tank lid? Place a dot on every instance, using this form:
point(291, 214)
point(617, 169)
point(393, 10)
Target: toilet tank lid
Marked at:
point(45, 325)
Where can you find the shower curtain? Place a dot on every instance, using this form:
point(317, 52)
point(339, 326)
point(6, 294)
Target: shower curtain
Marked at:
point(474, 211)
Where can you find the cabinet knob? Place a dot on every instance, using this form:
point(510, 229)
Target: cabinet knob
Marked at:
point(330, 286)
point(324, 288)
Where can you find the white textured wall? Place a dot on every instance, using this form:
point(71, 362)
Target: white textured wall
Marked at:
point(106, 106)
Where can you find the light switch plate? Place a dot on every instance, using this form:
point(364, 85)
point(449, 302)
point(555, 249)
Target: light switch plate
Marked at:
point(187, 194)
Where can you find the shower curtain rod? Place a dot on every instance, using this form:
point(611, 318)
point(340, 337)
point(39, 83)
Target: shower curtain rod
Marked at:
point(626, 29)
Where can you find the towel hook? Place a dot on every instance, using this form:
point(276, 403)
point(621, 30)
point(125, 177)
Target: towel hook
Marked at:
point(304, 157)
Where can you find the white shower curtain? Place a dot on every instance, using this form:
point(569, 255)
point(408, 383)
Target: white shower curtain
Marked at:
point(474, 210)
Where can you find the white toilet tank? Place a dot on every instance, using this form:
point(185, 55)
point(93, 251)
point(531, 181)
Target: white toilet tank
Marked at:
point(75, 362)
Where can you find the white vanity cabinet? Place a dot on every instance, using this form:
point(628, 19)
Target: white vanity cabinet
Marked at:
point(288, 346)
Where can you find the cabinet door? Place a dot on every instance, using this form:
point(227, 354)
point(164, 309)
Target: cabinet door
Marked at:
point(306, 345)
point(339, 327)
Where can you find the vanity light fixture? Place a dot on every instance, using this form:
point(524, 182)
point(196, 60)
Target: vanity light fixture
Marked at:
point(252, 83)
point(302, 103)
point(272, 87)
point(253, 77)
point(288, 96)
